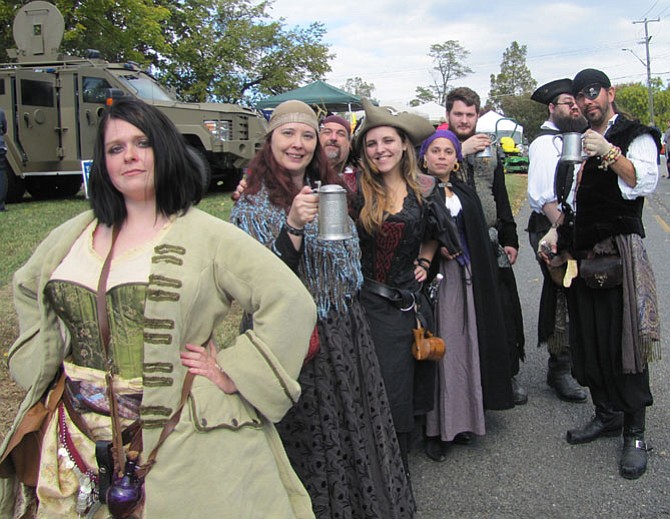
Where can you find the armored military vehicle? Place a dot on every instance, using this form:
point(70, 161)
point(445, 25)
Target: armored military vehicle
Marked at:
point(53, 103)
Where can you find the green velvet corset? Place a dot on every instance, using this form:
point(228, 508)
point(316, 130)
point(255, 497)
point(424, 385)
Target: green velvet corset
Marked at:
point(76, 306)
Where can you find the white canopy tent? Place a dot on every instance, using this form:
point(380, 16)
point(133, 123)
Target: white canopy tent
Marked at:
point(434, 112)
point(493, 122)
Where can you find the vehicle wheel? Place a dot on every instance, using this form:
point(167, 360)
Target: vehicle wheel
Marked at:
point(230, 179)
point(15, 186)
point(62, 186)
point(204, 167)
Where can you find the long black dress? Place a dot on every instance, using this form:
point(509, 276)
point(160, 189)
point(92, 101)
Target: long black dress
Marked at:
point(339, 437)
point(388, 257)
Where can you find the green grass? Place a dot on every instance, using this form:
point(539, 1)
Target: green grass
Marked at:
point(23, 226)
point(517, 186)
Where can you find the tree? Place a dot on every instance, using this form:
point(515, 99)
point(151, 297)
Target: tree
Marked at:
point(514, 78)
point(133, 33)
point(206, 50)
point(358, 87)
point(447, 59)
point(423, 95)
point(633, 98)
point(237, 54)
point(526, 112)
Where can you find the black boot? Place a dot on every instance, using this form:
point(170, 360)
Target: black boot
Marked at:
point(519, 393)
point(606, 422)
point(634, 455)
point(560, 379)
point(436, 449)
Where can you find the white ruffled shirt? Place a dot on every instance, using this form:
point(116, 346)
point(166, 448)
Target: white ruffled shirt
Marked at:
point(544, 152)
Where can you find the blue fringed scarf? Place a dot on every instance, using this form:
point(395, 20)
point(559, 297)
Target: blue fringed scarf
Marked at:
point(331, 270)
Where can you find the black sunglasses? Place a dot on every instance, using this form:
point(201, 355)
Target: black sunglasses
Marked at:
point(590, 92)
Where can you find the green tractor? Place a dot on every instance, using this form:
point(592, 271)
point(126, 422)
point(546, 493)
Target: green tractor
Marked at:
point(514, 161)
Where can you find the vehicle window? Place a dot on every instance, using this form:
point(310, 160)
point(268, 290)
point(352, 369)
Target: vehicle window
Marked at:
point(95, 89)
point(37, 93)
point(145, 87)
point(2, 86)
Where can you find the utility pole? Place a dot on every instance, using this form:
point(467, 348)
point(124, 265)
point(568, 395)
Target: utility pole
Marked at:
point(648, 65)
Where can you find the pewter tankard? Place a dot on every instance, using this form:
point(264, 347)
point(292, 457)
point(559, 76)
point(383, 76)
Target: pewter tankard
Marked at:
point(488, 152)
point(334, 222)
point(572, 147)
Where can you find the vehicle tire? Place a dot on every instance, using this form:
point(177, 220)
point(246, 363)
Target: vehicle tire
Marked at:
point(205, 167)
point(15, 185)
point(230, 179)
point(45, 188)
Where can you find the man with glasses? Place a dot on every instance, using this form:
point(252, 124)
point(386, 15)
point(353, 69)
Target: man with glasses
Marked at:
point(612, 302)
point(564, 116)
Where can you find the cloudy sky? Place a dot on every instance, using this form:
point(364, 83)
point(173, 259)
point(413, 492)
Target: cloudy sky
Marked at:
point(386, 42)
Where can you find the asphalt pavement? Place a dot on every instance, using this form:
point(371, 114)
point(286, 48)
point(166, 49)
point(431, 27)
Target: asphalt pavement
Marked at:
point(523, 467)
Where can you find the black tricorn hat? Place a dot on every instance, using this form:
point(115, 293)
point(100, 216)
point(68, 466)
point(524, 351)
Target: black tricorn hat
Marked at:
point(549, 91)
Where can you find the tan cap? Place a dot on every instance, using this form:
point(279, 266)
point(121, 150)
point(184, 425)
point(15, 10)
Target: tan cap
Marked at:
point(293, 111)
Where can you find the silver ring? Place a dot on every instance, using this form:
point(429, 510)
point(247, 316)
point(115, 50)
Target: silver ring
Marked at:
point(410, 306)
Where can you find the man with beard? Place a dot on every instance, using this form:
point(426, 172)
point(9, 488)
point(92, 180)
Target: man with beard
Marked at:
point(335, 138)
point(486, 176)
point(612, 303)
point(564, 116)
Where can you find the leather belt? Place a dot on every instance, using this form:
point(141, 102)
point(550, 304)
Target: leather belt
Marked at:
point(402, 299)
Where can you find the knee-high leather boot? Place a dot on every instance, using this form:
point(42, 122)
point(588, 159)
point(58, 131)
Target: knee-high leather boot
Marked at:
point(634, 454)
point(606, 422)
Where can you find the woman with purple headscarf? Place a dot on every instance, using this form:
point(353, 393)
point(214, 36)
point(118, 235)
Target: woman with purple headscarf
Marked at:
point(476, 363)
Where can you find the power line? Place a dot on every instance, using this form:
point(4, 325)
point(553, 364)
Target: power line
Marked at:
point(647, 64)
point(650, 9)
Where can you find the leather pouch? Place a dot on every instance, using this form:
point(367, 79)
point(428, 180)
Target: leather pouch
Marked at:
point(426, 346)
point(602, 271)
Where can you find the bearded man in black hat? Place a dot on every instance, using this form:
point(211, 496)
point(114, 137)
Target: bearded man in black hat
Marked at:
point(612, 302)
point(486, 176)
point(564, 116)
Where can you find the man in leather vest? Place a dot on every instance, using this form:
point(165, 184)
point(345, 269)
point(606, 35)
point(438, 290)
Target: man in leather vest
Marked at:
point(612, 302)
point(486, 176)
point(564, 116)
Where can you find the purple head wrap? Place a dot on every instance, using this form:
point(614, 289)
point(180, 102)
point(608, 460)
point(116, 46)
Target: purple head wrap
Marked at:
point(442, 134)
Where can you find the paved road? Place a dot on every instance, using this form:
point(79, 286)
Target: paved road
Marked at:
point(523, 467)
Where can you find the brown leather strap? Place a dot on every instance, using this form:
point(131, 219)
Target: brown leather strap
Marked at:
point(117, 441)
point(103, 323)
point(169, 426)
